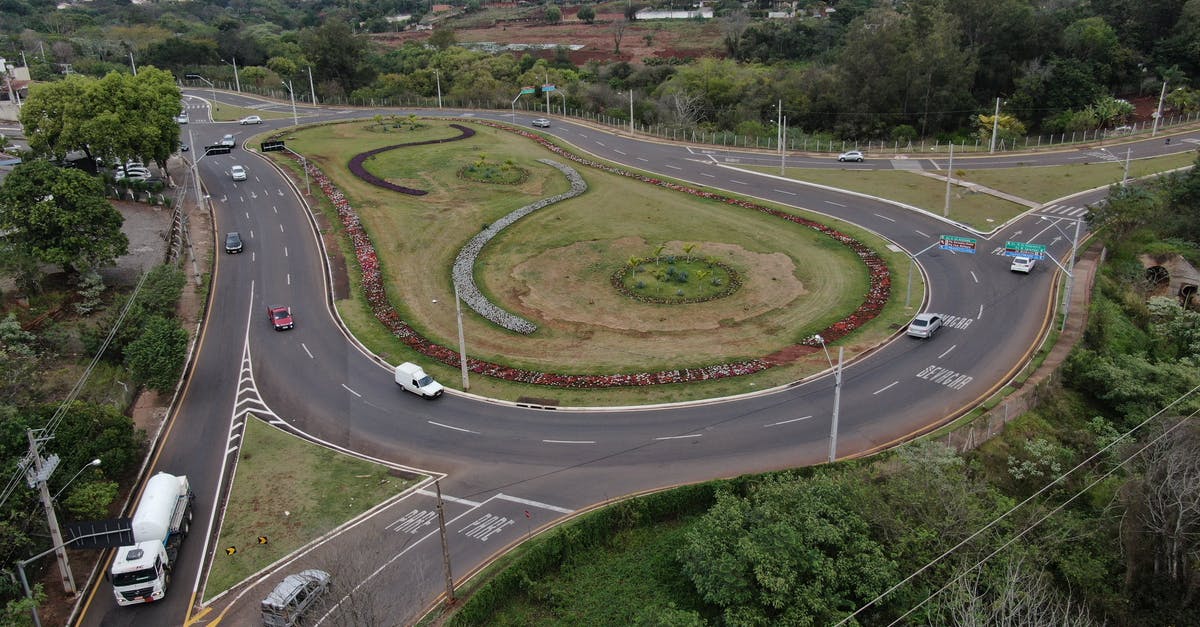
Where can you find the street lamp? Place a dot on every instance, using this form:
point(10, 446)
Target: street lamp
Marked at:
point(995, 126)
point(1158, 112)
point(91, 464)
point(437, 75)
point(212, 88)
point(837, 397)
point(312, 90)
point(630, 110)
point(288, 84)
point(237, 81)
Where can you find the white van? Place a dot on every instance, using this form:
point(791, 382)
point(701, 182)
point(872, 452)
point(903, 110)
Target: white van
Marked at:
point(286, 604)
point(412, 378)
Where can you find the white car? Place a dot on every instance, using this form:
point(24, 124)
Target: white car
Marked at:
point(925, 325)
point(541, 123)
point(853, 155)
point(251, 119)
point(1022, 264)
point(182, 118)
point(237, 173)
point(228, 140)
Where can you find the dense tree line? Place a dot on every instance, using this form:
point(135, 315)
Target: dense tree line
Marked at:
point(871, 69)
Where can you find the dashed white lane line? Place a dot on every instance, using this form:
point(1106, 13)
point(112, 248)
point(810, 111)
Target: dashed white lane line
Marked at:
point(879, 215)
point(569, 441)
point(351, 391)
point(920, 233)
point(643, 159)
point(601, 144)
point(673, 167)
point(784, 422)
point(947, 351)
point(738, 182)
point(980, 316)
point(784, 191)
point(438, 424)
point(619, 152)
point(708, 175)
point(974, 277)
point(884, 388)
point(680, 437)
point(310, 355)
point(835, 204)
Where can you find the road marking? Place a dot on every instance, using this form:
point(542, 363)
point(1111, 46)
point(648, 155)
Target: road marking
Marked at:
point(708, 175)
point(446, 497)
point(601, 144)
point(957, 322)
point(952, 347)
point(285, 251)
point(235, 436)
point(784, 191)
point(974, 277)
point(920, 233)
point(980, 316)
point(252, 257)
point(642, 159)
point(835, 204)
point(413, 521)
point(351, 391)
point(945, 376)
point(884, 388)
point(673, 167)
point(230, 451)
point(569, 441)
point(553, 508)
point(280, 227)
point(784, 422)
point(289, 278)
point(680, 437)
point(438, 424)
point(738, 182)
point(485, 527)
point(274, 208)
point(619, 152)
point(310, 356)
point(880, 215)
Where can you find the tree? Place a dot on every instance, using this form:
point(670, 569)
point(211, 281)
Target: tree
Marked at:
point(587, 14)
point(338, 55)
point(60, 216)
point(618, 33)
point(443, 37)
point(793, 552)
point(91, 500)
point(553, 14)
point(117, 117)
point(156, 357)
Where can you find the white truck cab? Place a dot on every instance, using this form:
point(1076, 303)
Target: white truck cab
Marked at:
point(412, 378)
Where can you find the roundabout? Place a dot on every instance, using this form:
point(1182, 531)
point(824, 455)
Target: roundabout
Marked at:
point(551, 275)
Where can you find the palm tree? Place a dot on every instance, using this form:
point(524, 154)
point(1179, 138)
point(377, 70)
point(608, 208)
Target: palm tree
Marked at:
point(658, 253)
point(688, 250)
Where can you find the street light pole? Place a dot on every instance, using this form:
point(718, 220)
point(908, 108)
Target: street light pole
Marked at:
point(630, 111)
point(949, 175)
point(1158, 112)
point(41, 472)
point(312, 90)
point(236, 79)
point(438, 75)
point(91, 464)
point(837, 402)
point(212, 90)
point(995, 126)
point(462, 343)
point(295, 120)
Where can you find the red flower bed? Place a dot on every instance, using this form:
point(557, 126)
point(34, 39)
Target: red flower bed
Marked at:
point(372, 284)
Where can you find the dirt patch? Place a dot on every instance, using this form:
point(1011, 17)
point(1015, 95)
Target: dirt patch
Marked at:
point(769, 283)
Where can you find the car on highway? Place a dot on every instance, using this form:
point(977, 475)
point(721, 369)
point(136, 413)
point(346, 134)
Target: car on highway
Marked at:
point(227, 140)
point(541, 123)
point(182, 118)
point(1022, 264)
point(237, 173)
point(281, 317)
point(286, 605)
point(233, 243)
point(250, 119)
point(925, 325)
point(184, 148)
point(852, 155)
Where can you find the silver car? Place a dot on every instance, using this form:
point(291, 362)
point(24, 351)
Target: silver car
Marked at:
point(295, 595)
point(925, 325)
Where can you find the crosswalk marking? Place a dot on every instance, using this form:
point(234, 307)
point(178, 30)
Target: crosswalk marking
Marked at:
point(1065, 210)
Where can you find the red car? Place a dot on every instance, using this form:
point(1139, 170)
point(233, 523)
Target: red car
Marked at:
point(281, 317)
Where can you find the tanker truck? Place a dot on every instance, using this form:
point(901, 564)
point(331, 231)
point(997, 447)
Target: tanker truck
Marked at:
point(141, 572)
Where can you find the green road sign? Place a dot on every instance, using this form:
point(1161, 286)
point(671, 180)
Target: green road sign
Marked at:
point(1019, 249)
point(957, 244)
point(527, 90)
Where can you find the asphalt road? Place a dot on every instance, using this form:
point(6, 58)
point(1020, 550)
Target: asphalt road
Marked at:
point(508, 470)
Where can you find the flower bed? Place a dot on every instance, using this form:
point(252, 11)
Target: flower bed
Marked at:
point(357, 168)
point(372, 285)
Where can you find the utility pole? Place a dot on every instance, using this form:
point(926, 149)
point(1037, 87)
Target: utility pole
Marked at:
point(462, 343)
point(1070, 275)
point(949, 175)
point(441, 511)
point(42, 469)
point(1158, 112)
point(311, 90)
point(995, 126)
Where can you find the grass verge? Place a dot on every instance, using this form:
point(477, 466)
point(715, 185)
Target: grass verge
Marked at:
point(290, 491)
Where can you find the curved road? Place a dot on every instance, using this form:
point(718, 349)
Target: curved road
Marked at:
point(509, 470)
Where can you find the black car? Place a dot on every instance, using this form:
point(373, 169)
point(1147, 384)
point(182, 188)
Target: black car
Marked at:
point(233, 242)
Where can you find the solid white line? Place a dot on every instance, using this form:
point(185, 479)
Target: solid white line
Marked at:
point(947, 351)
point(445, 497)
point(673, 167)
point(784, 422)
point(310, 356)
point(980, 316)
point(974, 277)
point(884, 387)
point(438, 424)
point(879, 215)
point(351, 391)
point(680, 437)
point(569, 441)
point(561, 510)
point(835, 204)
point(920, 233)
point(784, 191)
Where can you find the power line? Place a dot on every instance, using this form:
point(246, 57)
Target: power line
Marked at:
point(1018, 506)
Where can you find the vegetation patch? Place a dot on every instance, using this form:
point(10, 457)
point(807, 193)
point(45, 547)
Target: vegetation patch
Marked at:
point(358, 167)
point(499, 173)
point(676, 280)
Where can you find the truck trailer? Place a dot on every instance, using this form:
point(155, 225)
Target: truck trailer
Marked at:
point(141, 572)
